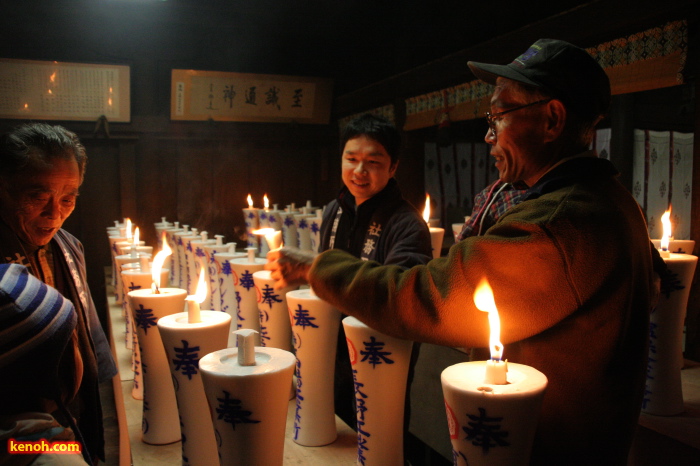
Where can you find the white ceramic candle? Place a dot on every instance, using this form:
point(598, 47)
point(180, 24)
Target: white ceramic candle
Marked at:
point(242, 271)
point(492, 424)
point(664, 394)
point(677, 246)
point(179, 249)
point(160, 228)
point(185, 344)
point(315, 229)
point(113, 240)
point(275, 328)
point(380, 371)
point(252, 222)
point(199, 262)
point(173, 261)
point(315, 326)
point(436, 237)
point(136, 279)
point(289, 229)
point(248, 403)
point(303, 226)
point(227, 288)
point(274, 218)
point(191, 276)
point(160, 424)
point(213, 299)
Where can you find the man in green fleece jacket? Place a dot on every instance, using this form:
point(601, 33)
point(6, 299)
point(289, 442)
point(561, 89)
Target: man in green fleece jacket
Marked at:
point(570, 266)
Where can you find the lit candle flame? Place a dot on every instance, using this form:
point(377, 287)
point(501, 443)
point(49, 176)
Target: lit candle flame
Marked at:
point(666, 237)
point(272, 236)
point(250, 202)
point(201, 294)
point(158, 262)
point(266, 202)
point(128, 228)
point(484, 301)
point(136, 237)
point(426, 211)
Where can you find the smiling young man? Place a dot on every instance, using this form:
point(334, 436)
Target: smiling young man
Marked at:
point(41, 169)
point(570, 265)
point(370, 220)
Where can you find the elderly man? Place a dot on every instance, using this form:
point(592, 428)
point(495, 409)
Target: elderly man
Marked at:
point(570, 265)
point(41, 169)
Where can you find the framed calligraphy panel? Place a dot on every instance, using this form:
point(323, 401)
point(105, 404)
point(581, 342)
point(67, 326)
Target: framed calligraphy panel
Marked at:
point(227, 96)
point(51, 90)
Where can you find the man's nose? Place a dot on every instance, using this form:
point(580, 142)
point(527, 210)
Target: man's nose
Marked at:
point(52, 209)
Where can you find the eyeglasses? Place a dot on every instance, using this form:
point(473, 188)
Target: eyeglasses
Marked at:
point(491, 118)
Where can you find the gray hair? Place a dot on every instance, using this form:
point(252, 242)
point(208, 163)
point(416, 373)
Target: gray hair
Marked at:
point(31, 147)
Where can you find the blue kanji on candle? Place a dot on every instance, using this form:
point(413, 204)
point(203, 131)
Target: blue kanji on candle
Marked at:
point(373, 352)
point(303, 319)
point(133, 287)
point(300, 398)
point(361, 407)
point(144, 318)
point(186, 359)
point(238, 311)
point(231, 411)
point(484, 431)
point(269, 296)
point(246, 280)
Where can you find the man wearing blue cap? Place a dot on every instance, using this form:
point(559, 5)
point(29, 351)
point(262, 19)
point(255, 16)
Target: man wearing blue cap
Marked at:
point(570, 265)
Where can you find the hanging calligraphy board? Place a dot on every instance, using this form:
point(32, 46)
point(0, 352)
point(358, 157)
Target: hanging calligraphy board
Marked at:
point(50, 90)
point(228, 96)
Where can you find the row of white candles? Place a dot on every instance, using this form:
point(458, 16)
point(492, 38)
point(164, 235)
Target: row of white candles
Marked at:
point(463, 383)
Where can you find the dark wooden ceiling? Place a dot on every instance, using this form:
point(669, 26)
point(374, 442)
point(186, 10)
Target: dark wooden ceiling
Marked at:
point(355, 42)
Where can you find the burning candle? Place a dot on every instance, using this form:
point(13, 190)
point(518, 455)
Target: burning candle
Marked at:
point(664, 393)
point(436, 234)
point(508, 397)
point(193, 301)
point(251, 216)
point(160, 421)
point(496, 369)
point(668, 244)
point(185, 342)
point(272, 237)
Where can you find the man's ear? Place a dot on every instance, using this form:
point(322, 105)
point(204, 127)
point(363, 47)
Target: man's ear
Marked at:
point(555, 120)
point(393, 167)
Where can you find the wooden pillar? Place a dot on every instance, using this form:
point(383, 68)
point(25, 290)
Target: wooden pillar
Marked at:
point(692, 345)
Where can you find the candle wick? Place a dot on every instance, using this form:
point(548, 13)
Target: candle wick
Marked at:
point(155, 289)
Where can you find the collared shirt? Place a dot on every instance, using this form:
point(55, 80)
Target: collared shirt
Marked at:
point(489, 205)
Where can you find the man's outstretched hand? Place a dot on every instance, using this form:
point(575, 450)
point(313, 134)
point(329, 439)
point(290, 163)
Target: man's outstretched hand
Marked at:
point(289, 266)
